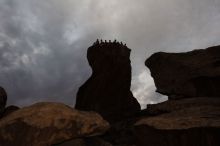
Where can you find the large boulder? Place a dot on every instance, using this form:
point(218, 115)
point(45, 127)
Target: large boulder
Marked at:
point(190, 74)
point(186, 122)
point(107, 91)
point(3, 100)
point(44, 124)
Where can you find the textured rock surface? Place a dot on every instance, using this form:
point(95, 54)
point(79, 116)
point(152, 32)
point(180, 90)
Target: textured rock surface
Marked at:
point(107, 91)
point(3, 99)
point(174, 105)
point(43, 124)
point(191, 74)
point(94, 141)
point(148, 136)
point(204, 116)
point(8, 110)
point(193, 121)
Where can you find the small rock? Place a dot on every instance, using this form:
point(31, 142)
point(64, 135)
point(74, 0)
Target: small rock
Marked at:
point(10, 109)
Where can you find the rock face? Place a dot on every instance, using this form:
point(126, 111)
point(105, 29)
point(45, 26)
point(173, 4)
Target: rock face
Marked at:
point(3, 99)
point(193, 79)
point(191, 74)
point(44, 124)
point(8, 110)
point(194, 121)
point(107, 91)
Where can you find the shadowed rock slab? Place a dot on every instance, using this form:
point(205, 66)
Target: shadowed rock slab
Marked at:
point(93, 141)
point(107, 91)
point(186, 122)
point(44, 124)
point(3, 99)
point(190, 74)
point(202, 136)
point(174, 105)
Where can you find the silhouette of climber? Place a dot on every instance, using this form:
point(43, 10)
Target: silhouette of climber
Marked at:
point(101, 41)
point(105, 41)
point(97, 42)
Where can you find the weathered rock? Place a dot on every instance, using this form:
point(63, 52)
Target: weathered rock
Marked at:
point(73, 142)
point(181, 122)
point(3, 99)
point(202, 136)
point(44, 124)
point(93, 141)
point(107, 91)
point(10, 109)
point(174, 105)
point(191, 74)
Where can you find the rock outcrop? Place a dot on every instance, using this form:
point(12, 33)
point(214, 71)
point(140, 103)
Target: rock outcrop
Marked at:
point(44, 124)
point(194, 121)
point(3, 100)
point(107, 91)
point(191, 74)
point(193, 118)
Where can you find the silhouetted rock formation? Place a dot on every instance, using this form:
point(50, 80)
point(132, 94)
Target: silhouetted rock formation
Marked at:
point(194, 119)
point(191, 74)
point(107, 91)
point(3, 99)
point(44, 124)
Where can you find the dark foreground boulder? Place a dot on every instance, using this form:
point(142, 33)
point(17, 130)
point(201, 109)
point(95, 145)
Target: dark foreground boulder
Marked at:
point(186, 122)
point(44, 124)
point(191, 74)
point(200, 136)
point(3, 99)
point(107, 91)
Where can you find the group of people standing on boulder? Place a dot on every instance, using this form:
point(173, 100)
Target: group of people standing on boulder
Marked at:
point(100, 42)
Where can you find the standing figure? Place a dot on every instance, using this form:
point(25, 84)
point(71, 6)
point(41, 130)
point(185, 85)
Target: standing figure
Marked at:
point(3, 99)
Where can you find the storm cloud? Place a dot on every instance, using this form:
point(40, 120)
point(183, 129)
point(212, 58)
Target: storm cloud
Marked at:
point(43, 43)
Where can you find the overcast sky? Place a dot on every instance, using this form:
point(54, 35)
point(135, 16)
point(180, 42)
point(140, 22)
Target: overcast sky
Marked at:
point(43, 43)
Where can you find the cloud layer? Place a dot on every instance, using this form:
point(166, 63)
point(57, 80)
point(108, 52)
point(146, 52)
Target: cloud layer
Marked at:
point(43, 42)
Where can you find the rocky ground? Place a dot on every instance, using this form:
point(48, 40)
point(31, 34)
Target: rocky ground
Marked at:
point(107, 114)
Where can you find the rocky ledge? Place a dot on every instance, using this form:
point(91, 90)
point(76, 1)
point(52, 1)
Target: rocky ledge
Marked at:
point(188, 122)
point(190, 74)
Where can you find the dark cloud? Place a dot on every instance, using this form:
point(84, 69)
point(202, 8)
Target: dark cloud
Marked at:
point(43, 42)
